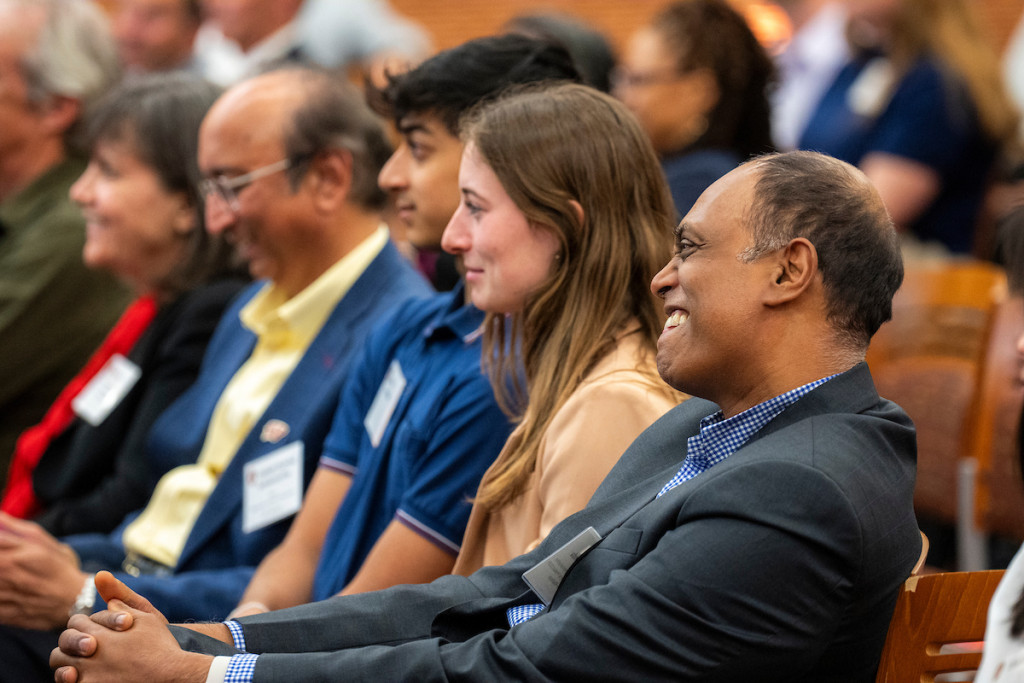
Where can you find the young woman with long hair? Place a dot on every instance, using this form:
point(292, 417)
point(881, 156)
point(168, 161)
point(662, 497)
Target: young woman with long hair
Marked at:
point(564, 220)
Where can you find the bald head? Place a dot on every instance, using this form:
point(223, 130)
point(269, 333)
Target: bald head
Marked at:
point(834, 206)
point(257, 110)
point(304, 112)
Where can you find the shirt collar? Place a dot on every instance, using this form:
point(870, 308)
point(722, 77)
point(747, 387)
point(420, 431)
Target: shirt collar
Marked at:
point(719, 438)
point(279, 320)
point(459, 318)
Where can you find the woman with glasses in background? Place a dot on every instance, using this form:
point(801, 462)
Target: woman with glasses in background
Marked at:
point(698, 80)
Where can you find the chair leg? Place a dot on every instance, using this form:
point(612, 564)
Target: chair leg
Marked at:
point(972, 543)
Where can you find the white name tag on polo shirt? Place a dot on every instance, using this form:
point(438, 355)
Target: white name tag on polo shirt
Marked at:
point(547, 574)
point(384, 403)
point(106, 389)
point(272, 488)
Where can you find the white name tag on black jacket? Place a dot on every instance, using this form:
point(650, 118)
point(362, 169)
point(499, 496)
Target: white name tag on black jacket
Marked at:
point(547, 574)
point(106, 389)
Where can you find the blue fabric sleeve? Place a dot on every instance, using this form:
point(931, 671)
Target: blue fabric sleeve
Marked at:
point(469, 432)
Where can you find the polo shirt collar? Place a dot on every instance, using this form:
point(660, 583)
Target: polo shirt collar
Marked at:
point(459, 319)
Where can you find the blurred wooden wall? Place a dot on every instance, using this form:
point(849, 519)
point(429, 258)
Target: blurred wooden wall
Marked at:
point(451, 23)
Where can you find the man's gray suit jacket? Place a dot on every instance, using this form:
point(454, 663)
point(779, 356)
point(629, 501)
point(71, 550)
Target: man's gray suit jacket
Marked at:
point(781, 563)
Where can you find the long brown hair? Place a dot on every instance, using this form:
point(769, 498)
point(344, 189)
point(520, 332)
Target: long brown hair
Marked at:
point(555, 150)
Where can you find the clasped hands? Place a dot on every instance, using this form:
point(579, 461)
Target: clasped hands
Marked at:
point(127, 642)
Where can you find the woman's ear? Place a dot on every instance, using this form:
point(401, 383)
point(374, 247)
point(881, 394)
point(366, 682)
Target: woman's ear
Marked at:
point(703, 89)
point(185, 219)
point(577, 209)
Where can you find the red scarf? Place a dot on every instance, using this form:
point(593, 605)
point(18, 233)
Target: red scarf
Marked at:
point(19, 497)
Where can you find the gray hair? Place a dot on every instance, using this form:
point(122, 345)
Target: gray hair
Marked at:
point(333, 115)
point(74, 55)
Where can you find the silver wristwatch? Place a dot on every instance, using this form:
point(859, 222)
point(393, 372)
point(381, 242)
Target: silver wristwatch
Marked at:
point(86, 597)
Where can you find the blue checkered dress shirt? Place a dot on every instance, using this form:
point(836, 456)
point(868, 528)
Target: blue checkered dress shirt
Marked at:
point(717, 439)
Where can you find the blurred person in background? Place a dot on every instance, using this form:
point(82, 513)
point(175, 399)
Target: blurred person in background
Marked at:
point(85, 465)
point(56, 58)
point(242, 38)
point(698, 80)
point(807, 65)
point(156, 35)
point(922, 109)
point(589, 48)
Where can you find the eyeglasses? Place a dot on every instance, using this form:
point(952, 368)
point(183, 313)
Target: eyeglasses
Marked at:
point(622, 78)
point(227, 189)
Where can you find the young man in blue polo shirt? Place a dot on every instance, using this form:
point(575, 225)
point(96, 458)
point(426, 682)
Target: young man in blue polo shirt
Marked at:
point(418, 425)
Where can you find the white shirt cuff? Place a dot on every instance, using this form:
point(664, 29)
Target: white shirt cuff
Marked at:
point(218, 670)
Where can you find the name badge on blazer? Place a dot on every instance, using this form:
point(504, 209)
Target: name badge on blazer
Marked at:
point(106, 390)
point(545, 577)
point(272, 487)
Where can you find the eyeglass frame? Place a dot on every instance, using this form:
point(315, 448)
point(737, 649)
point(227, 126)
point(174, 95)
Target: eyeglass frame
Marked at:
point(622, 78)
point(227, 189)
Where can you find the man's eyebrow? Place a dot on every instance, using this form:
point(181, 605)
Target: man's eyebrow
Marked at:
point(408, 128)
point(685, 229)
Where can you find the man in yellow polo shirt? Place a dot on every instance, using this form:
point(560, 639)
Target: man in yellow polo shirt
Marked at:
point(290, 161)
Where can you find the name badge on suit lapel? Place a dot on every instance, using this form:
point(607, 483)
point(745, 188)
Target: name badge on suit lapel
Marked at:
point(272, 487)
point(545, 577)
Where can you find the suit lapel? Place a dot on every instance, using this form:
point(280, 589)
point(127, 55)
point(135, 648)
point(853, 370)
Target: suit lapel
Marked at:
point(645, 468)
point(290, 406)
point(312, 387)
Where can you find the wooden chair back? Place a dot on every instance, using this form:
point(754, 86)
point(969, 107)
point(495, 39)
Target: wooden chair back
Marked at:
point(922, 558)
point(938, 621)
point(999, 495)
point(928, 359)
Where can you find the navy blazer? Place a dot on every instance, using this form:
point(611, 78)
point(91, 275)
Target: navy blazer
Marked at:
point(781, 563)
point(90, 477)
point(306, 403)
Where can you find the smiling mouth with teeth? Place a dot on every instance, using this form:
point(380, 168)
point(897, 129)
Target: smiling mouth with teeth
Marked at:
point(676, 319)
